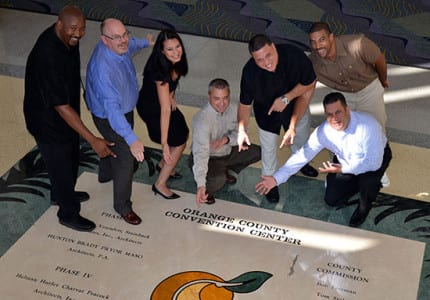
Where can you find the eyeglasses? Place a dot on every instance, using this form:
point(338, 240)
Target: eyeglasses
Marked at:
point(118, 37)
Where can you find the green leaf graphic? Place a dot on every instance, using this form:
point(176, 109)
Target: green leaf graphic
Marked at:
point(250, 281)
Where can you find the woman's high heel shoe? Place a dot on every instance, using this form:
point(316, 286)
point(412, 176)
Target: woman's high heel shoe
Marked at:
point(171, 197)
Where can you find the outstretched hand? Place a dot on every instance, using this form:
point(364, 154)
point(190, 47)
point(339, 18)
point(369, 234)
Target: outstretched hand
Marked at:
point(137, 150)
point(264, 186)
point(150, 39)
point(288, 138)
point(329, 167)
point(243, 140)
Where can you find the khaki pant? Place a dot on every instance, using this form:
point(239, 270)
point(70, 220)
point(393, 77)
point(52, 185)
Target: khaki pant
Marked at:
point(370, 100)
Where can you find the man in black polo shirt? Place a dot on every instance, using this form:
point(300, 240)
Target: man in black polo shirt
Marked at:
point(52, 112)
point(279, 82)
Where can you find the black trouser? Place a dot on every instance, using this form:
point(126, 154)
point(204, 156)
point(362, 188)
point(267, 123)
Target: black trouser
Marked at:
point(340, 187)
point(235, 161)
point(62, 163)
point(120, 169)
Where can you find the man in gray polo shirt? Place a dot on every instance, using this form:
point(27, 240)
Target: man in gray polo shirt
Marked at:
point(214, 149)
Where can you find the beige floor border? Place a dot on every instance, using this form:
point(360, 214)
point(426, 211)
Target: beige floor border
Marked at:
point(408, 171)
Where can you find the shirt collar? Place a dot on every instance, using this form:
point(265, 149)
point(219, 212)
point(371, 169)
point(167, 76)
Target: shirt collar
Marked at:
point(218, 114)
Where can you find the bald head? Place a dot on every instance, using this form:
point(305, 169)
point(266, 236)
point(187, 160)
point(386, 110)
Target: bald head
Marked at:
point(108, 24)
point(114, 35)
point(70, 11)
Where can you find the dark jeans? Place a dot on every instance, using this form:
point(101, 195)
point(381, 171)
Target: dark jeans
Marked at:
point(62, 163)
point(120, 169)
point(340, 187)
point(235, 161)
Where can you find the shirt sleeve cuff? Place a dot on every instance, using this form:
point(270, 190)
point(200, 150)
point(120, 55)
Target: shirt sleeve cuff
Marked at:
point(130, 139)
point(201, 183)
point(279, 178)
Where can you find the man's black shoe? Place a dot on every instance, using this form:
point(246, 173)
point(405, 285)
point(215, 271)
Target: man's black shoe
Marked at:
point(359, 216)
point(81, 196)
point(229, 179)
point(79, 223)
point(309, 171)
point(210, 200)
point(104, 180)
point(78, 195)
point(273, 195)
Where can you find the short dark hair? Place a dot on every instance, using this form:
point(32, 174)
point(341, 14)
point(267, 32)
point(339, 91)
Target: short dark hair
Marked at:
point(70, 11)
point(218, 83)
point(318, 26)
point(334, 97)
point(258, 41)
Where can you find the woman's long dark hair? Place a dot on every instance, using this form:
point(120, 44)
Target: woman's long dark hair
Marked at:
point(158, 63)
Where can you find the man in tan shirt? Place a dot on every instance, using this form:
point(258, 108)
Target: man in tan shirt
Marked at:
point(352, 64)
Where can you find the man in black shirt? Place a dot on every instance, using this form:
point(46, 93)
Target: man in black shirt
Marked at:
point(52, 112)
point(279, 82)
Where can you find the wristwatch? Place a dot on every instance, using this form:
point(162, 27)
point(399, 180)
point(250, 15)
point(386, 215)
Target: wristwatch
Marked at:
point(284, 99)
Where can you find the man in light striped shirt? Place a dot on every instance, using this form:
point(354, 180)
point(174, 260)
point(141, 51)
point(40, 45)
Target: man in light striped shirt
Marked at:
point(361, 156)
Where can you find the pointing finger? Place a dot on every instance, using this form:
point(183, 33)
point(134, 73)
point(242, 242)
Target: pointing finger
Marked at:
point(283, 142)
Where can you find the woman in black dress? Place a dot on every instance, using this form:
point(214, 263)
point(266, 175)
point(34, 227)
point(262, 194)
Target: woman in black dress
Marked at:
point(157, 105)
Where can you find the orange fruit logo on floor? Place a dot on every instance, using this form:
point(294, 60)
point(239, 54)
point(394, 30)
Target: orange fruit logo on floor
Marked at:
point(196, 285)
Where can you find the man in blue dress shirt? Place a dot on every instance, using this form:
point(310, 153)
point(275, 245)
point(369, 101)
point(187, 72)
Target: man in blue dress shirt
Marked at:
point(362, 155)
point(112, 92)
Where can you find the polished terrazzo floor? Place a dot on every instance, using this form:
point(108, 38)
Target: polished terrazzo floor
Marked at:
point(407, 102)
